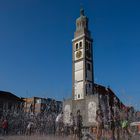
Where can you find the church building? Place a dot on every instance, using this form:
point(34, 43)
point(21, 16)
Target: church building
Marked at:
point(86, 95)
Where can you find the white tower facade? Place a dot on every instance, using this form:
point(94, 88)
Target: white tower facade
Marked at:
point(82, 59)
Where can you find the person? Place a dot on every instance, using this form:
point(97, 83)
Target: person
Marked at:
point(5, 126)
point(125, 127)
point(1, 120)
point(59, 124)
point(139, 129)
point(71, 124)
point(99, 120)
point(29, 128)
point(79, 123)
point(117, 125)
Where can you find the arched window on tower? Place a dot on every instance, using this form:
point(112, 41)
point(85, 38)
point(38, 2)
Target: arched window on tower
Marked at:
point(80, 44)
point(89, 46)
point(80, 24)
point(77, 25)
point(86, 45)
point(88, 66)
point(89, 85)
point(84, 24)
point(76, 46)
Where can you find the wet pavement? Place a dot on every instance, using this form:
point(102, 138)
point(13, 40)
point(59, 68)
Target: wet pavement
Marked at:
point(35, 138)
point(136, 137)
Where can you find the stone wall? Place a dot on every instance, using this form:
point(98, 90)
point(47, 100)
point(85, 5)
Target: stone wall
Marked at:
point(87, 107)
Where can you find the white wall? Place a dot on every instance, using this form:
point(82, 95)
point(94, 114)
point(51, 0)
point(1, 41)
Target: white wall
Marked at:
point(79, 75)
point(79, 90)
point(79, 65)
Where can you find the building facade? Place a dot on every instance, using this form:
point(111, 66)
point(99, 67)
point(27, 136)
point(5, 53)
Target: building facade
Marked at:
point(9, 102)
point(36, 105)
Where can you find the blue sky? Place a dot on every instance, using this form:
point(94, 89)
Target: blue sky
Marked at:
point(36, 47)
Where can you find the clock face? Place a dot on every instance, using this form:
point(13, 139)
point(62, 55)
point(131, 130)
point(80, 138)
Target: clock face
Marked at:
point(79, 54)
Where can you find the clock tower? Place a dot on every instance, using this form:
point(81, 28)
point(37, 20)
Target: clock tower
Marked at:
point(83, 97)
point(82, 59)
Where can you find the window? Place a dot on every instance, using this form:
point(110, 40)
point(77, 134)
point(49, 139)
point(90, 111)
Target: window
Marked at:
point(80, 44)
point(76, 46)
point(88, 66)
point(80, 24)
point(87, 46)
point(84, 24)
point(78, 95)
point(77, 25)
point(89, 85)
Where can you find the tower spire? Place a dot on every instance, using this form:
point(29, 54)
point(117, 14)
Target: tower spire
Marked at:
point(82, 24)
point(82, 11)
